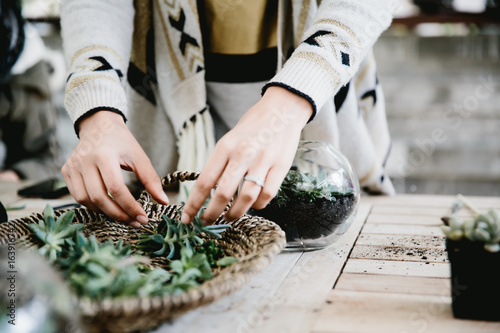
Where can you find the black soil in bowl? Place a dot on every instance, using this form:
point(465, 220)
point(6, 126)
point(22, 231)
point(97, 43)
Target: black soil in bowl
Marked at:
point(309, 220)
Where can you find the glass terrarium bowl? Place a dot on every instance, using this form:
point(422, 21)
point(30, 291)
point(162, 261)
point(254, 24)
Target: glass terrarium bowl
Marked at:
point(318, 199)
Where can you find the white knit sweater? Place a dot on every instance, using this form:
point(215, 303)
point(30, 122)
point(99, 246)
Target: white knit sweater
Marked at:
point(332, 45)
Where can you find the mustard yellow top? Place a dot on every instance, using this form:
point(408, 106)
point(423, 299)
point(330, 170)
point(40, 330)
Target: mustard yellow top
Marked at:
point(241, 26)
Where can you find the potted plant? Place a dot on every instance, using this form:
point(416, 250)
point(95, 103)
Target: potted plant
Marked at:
point(317, 200)
point(473, 246)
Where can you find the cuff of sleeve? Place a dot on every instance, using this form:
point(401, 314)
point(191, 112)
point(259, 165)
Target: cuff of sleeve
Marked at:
point(94, 94)
point(309, 79)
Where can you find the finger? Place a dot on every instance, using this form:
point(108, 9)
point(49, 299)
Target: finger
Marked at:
point(76, 187)
point(248, 194)
point(123, 202)
point(135, 224)
point(226, 188)
point(100, 196)
point(149, 178)
point(273, 182)
point(203, 186)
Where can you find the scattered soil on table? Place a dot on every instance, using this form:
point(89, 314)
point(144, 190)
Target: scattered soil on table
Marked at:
point(309, 220)
point(399, 253)
point(413, 241)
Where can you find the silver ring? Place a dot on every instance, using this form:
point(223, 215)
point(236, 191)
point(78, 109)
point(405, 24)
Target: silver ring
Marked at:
point(257, 180)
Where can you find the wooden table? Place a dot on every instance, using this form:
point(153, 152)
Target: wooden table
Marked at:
point(388, 273)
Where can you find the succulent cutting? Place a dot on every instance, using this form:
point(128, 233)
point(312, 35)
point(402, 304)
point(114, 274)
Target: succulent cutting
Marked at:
point(483, 227)
point(105, 269)
point(170, 235)
point(54, 233)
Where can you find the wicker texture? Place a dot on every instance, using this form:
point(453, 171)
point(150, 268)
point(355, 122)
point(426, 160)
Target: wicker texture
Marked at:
point(254, 241)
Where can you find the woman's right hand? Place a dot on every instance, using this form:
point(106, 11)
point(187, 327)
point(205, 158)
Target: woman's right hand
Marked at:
point(93, 171)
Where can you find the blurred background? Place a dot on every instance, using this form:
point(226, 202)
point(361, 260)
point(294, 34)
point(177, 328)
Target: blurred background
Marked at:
point(440, 69)
point(439, 64)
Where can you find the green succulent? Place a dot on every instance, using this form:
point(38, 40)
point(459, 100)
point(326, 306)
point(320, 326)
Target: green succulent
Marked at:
point(152, 282)
point(212, 251)
point(170, 235)
point(306, 187)
point(483, 227)
point(105, 269)
point(215, 255)
point(54, 233)
point(98, 270)
point(226, 261)
point(190, 269)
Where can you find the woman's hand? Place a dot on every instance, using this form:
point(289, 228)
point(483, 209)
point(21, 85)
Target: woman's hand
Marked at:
point(93, 171)
point(261, 145)
point(9, 176)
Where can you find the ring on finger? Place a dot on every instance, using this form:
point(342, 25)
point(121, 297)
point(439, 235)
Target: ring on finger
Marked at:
point(257, 180)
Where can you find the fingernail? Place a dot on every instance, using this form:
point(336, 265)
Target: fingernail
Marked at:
point(142, 219)
point(135, 224)
point(185, 218)
point(164, 198)
point(204, 222)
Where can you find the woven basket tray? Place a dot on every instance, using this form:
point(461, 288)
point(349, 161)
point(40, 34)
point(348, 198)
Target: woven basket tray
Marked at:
point(254, 241)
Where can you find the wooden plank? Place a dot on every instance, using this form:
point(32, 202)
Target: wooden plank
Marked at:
point(436, 212)
point(404, 219)
point(266, 298)
point(430, 201)
point(399, 253)
point(411, 241)
point(398, 229)
point(394, 284)
point(360, 312)
point(231, 313)
point(8, 191)
point(404, 268)
point(303, 293)
point(32, 206)
point(408, 210)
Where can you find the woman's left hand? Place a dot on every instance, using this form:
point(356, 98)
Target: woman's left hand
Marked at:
point(261, 147)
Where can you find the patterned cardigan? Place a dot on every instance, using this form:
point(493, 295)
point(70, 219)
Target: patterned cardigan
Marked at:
point(139, 57)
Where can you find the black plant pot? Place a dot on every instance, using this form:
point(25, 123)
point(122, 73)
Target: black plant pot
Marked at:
point(475, 280)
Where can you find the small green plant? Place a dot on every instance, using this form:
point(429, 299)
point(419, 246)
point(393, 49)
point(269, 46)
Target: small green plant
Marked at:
point(98, 270)
point(215, 255)
point(306, 187)
point(190, 268)
point(212, 251)
point(483, 227)
point(170, 235)
point(110, 270)
point(54, 233)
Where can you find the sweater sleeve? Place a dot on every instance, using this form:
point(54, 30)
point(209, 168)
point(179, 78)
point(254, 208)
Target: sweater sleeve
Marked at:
point(333, 47)
point(97, 37)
